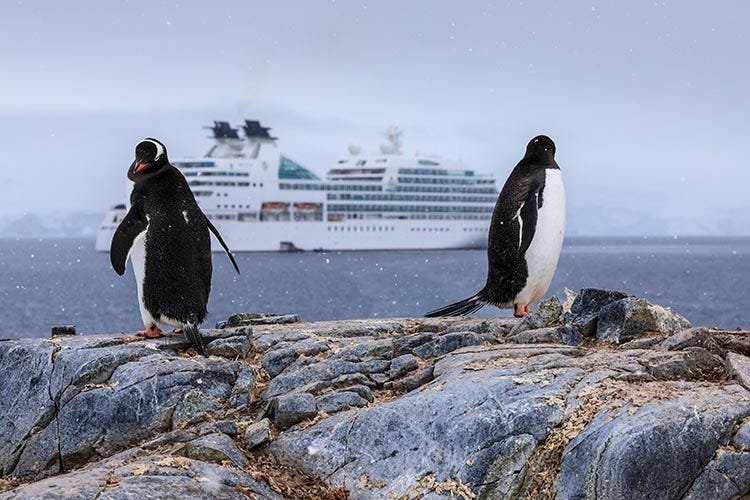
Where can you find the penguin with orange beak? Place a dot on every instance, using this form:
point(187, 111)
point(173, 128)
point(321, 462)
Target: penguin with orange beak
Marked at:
point(166, 236)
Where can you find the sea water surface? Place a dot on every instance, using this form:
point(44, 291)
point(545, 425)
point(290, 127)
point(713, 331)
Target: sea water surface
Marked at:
point(46, 282)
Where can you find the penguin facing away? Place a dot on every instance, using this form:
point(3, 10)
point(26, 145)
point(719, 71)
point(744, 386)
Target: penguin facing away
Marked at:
point(526, 235)
point(166, 236)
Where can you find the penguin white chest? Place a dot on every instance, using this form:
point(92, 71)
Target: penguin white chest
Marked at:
point(544, 250)
point(138, 258)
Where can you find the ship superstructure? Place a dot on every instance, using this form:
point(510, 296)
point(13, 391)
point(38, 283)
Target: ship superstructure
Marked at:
point(263, 200)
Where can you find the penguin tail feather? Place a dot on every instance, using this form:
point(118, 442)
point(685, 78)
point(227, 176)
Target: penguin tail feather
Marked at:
point(460, 308)
point(193, 334)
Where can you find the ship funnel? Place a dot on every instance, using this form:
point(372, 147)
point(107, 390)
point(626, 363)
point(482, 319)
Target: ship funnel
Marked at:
point(222, 130)
point(228, 142)
point(253, 130)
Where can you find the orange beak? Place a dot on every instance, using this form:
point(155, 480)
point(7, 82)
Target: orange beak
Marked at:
point(140, 167)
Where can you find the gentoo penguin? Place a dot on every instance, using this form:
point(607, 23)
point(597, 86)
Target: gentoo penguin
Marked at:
point(526, 235)
point(166, 236)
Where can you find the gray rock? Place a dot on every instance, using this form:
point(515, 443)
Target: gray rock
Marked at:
point(652, 418)
point(549, 335)
point(406, 344)
point(365, 349)
point(243, 387)
point(505, 474)
point(277, 360)
point(738, 366)
point(26, 405)
point(727, 476)
point(168, 438)
point(630, 318)
point(547, 313)
point(291, 409)
point(694, 363)
point(192, 405)
point(216, 448)
point(63, 330)
point(585, 309)
point(406, 384)
point(324, 371)
point(257, 434)
point(230, 348)
point(448, 342)
point(442, 428)
point(403, 364)
point(243, 319)
point(101, 399)
point(651, 444)
point(643, 343)
point(136, 476)
point(692, 337)
point(227, 427)
point(362, 390)
point(333, 402)
point(741, 438)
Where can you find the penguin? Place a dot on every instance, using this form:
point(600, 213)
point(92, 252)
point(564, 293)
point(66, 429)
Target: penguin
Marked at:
point(526, 235)
point(166, 236)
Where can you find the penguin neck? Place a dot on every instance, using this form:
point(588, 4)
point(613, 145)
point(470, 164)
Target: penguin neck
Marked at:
point(542, 158)
point(151, 177)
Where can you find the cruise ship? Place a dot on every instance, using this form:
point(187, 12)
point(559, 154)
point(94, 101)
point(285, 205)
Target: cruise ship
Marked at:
point(262, 200)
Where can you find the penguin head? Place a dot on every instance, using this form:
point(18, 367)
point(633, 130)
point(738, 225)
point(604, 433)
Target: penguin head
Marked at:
point(541, 149)
point(150, 158)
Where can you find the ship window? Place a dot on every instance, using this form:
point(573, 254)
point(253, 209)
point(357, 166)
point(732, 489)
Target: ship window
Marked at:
point(289, 169)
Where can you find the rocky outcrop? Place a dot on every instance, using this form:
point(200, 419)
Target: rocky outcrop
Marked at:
point(606, 396)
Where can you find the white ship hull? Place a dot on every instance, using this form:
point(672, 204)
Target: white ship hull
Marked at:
point(349, 235)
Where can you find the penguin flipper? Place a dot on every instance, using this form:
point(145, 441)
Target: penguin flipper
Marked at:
point(193, 334)
point(128, 230)
point(460, 308)
point(223, 245)
point(527, 216)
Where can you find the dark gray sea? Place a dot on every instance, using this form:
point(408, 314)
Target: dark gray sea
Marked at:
point(50, 282)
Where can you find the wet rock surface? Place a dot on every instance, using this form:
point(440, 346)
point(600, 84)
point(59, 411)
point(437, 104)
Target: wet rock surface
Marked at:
point(439, 407)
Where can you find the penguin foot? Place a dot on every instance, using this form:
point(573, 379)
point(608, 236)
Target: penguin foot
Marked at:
point(520, 310)
point(177, 330)
point(151, 332)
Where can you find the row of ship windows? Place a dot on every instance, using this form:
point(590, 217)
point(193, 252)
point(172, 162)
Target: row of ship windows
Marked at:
point(329, 187)
point(406, 208)
point(203, 194)
point(406, 197)
point(433, 171)
point(224, 183)
point(252, 217)
point(361, 228)
point(433, 189)
point(358, 171)
point(413, 216)
point(385, 160)
point(195, 164)
point(379, 187)
point(429, 229)
point(429, 180)
point(216, 174)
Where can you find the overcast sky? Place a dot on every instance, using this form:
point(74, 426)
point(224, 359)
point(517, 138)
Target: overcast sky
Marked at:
point(648, 102)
